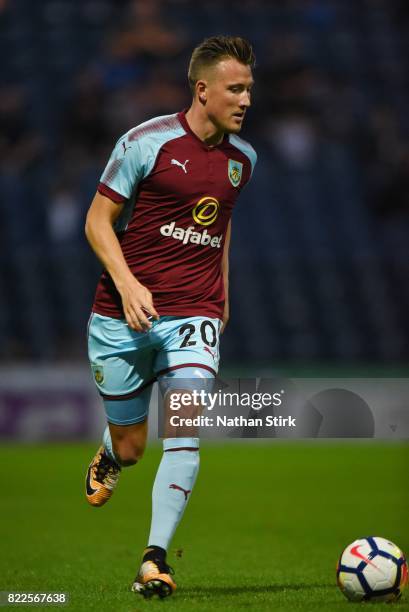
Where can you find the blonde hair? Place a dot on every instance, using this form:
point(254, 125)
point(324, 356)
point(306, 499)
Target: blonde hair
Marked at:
point(213, 50)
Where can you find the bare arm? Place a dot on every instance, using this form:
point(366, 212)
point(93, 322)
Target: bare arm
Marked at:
point(225, 273)
point(136, 298)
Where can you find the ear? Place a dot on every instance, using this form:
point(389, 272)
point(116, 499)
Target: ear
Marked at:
point(201, 91)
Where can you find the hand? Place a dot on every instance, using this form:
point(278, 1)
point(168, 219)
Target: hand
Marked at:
point(138, 305)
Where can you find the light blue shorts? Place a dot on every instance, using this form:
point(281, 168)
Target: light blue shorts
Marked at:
point(126, 363)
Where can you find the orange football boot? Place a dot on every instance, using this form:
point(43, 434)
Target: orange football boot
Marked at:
point(102, 478)
point(155, 575)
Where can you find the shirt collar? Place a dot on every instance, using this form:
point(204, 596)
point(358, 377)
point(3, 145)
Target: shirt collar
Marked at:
point(185, 124)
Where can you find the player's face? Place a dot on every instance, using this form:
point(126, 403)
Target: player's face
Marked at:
point(228, 89)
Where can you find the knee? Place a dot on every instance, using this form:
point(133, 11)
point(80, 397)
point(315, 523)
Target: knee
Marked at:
point(128, 453)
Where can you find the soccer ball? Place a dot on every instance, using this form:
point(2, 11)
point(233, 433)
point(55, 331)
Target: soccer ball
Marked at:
point(372, 569)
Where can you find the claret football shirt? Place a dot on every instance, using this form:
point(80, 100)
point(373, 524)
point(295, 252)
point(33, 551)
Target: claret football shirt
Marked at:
point(178, 196)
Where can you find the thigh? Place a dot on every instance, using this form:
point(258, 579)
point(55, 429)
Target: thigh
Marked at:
point(122, 364)
point(187, 361)
point(188, 342)
point(182, 400)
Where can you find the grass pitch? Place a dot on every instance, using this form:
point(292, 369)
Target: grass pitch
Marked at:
point(263, 530)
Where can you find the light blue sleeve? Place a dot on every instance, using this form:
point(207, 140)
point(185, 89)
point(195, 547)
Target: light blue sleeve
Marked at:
point(134, 155)
point(125, 167)
point(246, 148)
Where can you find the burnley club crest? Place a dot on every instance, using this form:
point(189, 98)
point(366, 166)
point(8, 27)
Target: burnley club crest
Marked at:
point(235, 172)
point(98, 373)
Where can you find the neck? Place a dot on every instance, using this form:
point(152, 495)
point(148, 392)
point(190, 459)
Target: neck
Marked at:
point(202, 126)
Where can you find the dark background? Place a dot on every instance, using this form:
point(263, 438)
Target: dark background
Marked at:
point(320, 236)
point(319, 275)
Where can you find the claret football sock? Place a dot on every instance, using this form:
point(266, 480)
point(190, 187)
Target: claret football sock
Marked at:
point(173, 485)
point(107, 443)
